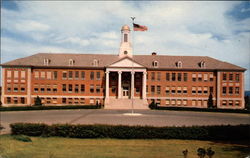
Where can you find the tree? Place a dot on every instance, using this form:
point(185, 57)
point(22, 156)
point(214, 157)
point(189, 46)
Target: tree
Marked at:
point(210, 152)
point(201, 152)
point(210, 103)
point(38, 101)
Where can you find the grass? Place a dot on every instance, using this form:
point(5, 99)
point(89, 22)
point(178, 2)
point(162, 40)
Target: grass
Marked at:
point(55, 147)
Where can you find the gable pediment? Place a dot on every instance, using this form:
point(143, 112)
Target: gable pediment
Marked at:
point(126, 62)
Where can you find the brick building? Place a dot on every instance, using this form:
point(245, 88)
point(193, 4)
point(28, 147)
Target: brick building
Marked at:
point(123, 80)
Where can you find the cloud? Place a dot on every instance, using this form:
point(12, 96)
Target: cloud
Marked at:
point(175, 28)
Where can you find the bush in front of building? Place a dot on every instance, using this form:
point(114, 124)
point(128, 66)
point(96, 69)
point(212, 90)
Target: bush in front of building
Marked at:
point(223, 132)
point(38, 101)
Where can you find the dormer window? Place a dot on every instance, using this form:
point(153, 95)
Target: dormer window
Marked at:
point(125, 52)
point(46, 61)
point(179, 64)
point(155, 63)
point(95, 62)
point(71, 62)
point(202, 64)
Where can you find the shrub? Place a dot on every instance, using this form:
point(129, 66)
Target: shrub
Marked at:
point(38, 101)
point(22, 138)
point(152, 105)
point(133, 132)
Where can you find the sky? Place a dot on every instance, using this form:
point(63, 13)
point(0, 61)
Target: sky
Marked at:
point(219, 29)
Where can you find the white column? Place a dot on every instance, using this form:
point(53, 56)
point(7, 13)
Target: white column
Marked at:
point(218, 90)
point(3, 86)
point(29, 87)
point(119, 84)
point(242, 91)
point(144, 84)
point(107, 85)
point(132, 83)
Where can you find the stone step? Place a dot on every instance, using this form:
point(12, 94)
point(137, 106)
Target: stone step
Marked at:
point(126, 104)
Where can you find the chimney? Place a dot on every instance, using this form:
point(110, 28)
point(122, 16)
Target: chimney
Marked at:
point(154, 53)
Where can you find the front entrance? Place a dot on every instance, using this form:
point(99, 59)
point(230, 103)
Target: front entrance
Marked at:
point(125, 91)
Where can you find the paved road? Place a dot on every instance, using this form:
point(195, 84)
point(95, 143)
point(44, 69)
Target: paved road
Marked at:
point(114, 117)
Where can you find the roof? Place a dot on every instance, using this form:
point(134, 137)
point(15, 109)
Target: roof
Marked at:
point(104, 60)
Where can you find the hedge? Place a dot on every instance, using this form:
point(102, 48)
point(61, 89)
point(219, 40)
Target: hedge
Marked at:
point(203, 109)
point(27, 108)
point(220, 132)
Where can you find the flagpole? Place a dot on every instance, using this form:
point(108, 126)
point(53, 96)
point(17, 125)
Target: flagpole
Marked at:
point(133, 48)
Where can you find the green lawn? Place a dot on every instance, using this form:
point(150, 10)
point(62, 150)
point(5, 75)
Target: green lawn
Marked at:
point(55, 147)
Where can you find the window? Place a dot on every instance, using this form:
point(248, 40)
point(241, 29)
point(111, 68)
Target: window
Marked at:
point(167, 102)
point(91, 88)
point(224, 103)
point(42, 75)
point(113, 89)
point(82, 88)
point(54, 88)
point(202, 64)
point(205, 77)
point(92, 101)
point(211, 77)
point(8, 74)
point(230, 103)
point(98, 88)
point(64, 87)
point(230, 90)
point(193, 77)
point(167, 76)
point(42, 88)
point(15, 74)
point(82, 100)
point(36, 89)
point(22, 74)
point(184, 90)
point(76, 75)
point(173, 102)
point(95, 62)
point(64, 75)
point(179, 64)
point(179, 76)
point(152, 89)
point(205, 103)
point(173, 90)
point(185, 77)
point(193, 90)
point(46, 62)
point(70, 75)
point(71, 62)
point(237, 77)
point(15, 88)
point(199, 77)
point(92, 75)
point(173, 76)
point(167, 90)
point(22, 100)
point(98, 75)
point(152, 76)
point(137, 90)
point(184, 102)
point(199, 102)
point(231, 77)
point(125, 52)
point(224, 90)
point(125, 37)
point(70, 88)
point(193, 102)
point(8, 100)
point(205, 90)
point(237, 103)
point(8, 87)
point(237, 90)
point(22, 88)
point(64, 100)
point(76, 88)
point(155, 63)
point(158, 76)
point(178, 102)
point(179, 90)
point(211, 89)
point(55, 75)
point(158, 89)
point(82, 75)
point(15, 100)
point(199, 90)
point(36, 74)
point(224, 77)
point(49, 75)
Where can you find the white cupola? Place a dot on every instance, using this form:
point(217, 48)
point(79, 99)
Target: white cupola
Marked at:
point(125, 47)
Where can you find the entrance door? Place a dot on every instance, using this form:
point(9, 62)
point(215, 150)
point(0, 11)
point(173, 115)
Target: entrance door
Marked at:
point(125, 91)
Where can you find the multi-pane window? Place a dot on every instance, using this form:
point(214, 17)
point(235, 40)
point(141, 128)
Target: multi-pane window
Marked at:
point(82, 75)
point(64, 88)
point(179, 76)
point(22, 87)
point(8, 87)
point(42, 74)
point(76, 75)
point(36, 74)
point(167, 102)
point(70, 74)
point(22, 74)
point(199, 90)
point(92, 75)
point(98, 88)
point(55, 75)
point(211, 77)
point(199, 77)
point(193, 77)
point(173, 102)
point(224, 90)
point(8, 100)
point(64, 75)
point(193, 102)
point(184, 90)
point(179, 90)
point(15, 88)
point(36, 89)
point(167, 90)
point(22, 100)
point(64, 100)
point(230, 77)
point(55, 88)
point(205, 77)
point(49, 75)
point(224, 77)
point(173, 76)
point(91, 88)
point(193, 90)
point(173, 91)
point(8, 74)
point(230, 103)
point(237, 103)
point(152, 76)
point(205, 90)
point(152, 89)
point(184, 102)
point(158, 76)
point(82, 88)
point(237, 90)
point(230, 90)
point(76, 88)
point(224, 103)
point(15, 100)
point(158, 89)
point(15, 74)
point(179, 102)
point(167, 76)
point(237, 77)
point(98, 75)
point(70, 88)
point(185, 76)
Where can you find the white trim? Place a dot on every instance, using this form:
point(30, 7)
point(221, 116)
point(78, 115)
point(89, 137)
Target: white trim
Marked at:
point(126, 69)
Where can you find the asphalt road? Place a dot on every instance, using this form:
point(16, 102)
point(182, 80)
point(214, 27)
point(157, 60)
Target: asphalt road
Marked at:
point(115, 117)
